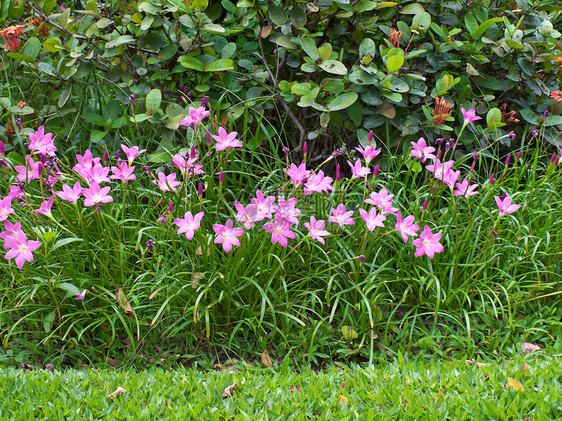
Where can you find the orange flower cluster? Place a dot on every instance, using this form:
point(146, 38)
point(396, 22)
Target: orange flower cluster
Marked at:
point(441, 112)
point(556, 95)
point(11, 36)
point(508, 116)
point(394, 38)
point(44, 31)
point(557, 101)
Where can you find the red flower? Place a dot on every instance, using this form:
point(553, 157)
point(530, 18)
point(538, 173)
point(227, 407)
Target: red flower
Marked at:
point(441, 112)
point(11, 36)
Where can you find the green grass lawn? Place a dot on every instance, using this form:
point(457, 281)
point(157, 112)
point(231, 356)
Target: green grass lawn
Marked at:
point(525, 388)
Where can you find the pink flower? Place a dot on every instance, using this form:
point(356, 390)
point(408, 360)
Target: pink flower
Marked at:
point(123, 172)
point(383, 201)
point(195, 117)
point(226, 235)
point(264, 205)
point(428, 243)
point(287, 210)
point(131, 152)
point(469, 116)
point(21, 248)
point(41, 142)
point(94, 195)
point(341, 216)
point(316, 229)
point(298, 174)
point(45, 208)
point(439, 169)
point(463, 189)
point(70, 195)
point(372, 219)
point(187, 165)
point(247, 215)
point(189, 224)
point(280, 231)
point(97, 173)
point(165, 183)
point(406, 227)
point(358, 171)
point(318, 183)
point(450, 177)
point(86, 161)
point(11, 233)
point(6, 208)
point(226, 140)
point(369, 153)
point(505, 207)
point(421, 150)
point(31, 170)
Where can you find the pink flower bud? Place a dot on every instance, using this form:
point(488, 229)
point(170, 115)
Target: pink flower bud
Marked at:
point(105, 156)
point(504, 195)
point(370, 138)
point(305, 149)
point(171, 207)
point(338, 173)
point(507, 159)
point(376, 171)
point(193, 153)
point(424, 207)
point(518, 155)
point(439, 154)
point(221, 177)
point(492, 179)
point(208, 138)
point(2, 149)
point(553, 158)
point(200, 191)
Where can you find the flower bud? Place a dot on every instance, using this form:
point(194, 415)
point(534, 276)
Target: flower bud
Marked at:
point(492, 179)
point(475, 156)
point(338, 173)
point(221, 177)
point(193, 152)
point(370, 138)
point(204, 101)
point(285, 150)
point(105, 156)
point(376, 171)
point(518, 155)
point(208, 138)
point(507, 159)
point(361, 257)
point(546, 113)
point(2, 149)
point(305, 150)
point(200, 191)
point(504, 195)
point(535, 133)
point(171, 207)
point(553, 158)
point(424, 207)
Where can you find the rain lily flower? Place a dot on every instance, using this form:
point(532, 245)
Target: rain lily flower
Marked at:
point(42, 143)
point(469, 116)
point(286, 210)
point(187, 165)
point(11, 233)
point(70, 195)
point(357, 170)
point(86, 161)
point(45, 208)
point(21, 248)
point(226, 140)
point(123, 172)
point(428, 243)
point(372, 219)
point(298, 174)
point(81, 296)
point(97, 173)
point(421, 150)
point(131, 152)
point(6, 208)
point(264, 205)
point(463, 189)
point(318, 183)
point(383, 201)
point(341, 216)
point(316, 229)
point(406, 227)
point(227, 235)
point(369, 153)
point(246, 214)
point(195, 117)
point(280, 231)
point(189, 224)
point(451, 177)
point(30, 171)
point(94, 195)
point(165, 183)
point(439, 169)
point(505, 206)
point(16, 193)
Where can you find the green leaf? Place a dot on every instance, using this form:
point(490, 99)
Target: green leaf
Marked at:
point(421, 22)
point(471, 24)
point(398, 85)
point(301, 88)
point(32, 47)
point(48, 319)
point(71, 290)
point(153, 99)
point(494, 118)
point(277, 14)
point(211, 27)
point(191, 63)
point(46, 68)
point(48, 6)
point(529, 116)
point(220, 65)
point(65, 94)
point(298, 16)
point(342, 101)
point(553, 120)
point(333, 66)
point(179, 5)
point(97, 135)
point(52, 44)
point(412, 9)
point(200, 5)
point(121, 40)
point(18, 56)
point(482, 28)
point(394, 63)
point(309, 48)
